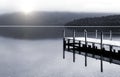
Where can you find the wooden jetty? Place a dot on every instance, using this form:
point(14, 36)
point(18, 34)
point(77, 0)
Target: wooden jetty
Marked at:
point(104, 50)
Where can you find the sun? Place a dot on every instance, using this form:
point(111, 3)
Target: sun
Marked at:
point(27, 10)
point(27, 7)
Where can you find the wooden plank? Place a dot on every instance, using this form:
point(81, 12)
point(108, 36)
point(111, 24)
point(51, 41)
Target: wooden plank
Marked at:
point(97, 41)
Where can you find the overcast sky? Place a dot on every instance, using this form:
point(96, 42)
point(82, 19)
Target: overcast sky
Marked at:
point(60, 5)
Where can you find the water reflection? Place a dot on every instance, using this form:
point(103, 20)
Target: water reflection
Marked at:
point(43, 58)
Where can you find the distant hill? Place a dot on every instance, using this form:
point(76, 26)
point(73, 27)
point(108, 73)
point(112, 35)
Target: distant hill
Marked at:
point(44, 18)
point(39, 18)
point(112, 20)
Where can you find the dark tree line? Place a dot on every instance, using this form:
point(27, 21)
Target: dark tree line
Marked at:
point(112, 20)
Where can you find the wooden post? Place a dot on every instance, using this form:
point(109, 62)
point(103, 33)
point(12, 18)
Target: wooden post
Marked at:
point(85, 59)
point(68, 44)
point(96, 34)
point(101, 45)
point(85, 32)
point(110, 35)
point(74, 46)
point(64, 44)
point(110, 53)
point(93, 47)
point(79, 47)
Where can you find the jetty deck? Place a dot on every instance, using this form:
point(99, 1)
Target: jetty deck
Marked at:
point(104, 50)
point(96, 41)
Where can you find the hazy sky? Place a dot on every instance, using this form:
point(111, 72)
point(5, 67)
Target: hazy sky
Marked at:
point(60, 5)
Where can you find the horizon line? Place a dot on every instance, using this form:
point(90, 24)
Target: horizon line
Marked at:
point(66, 26)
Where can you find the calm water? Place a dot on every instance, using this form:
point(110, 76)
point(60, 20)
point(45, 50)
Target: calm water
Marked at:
point(43, 58)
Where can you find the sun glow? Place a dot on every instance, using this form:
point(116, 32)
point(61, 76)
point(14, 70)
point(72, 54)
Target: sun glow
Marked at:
point(27, 10)
point(27, 7)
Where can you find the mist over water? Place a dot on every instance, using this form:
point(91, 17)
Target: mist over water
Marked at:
point(43, 58)
point(53, 32)
point(31, 32)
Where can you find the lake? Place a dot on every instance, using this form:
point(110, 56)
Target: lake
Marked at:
point(43, 58)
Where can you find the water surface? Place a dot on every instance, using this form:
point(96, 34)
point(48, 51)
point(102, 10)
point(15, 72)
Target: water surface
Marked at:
point(37, 52)
point(43, 58)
